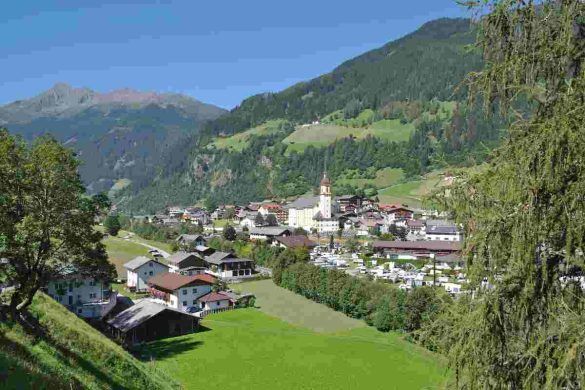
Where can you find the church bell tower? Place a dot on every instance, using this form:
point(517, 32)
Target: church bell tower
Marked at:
point(325, 197)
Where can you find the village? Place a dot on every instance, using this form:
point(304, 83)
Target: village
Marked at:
point(171, 293)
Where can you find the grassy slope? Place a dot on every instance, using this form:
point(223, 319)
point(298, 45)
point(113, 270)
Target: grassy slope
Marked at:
point(72, 354)
point(239, 141)
point(412, 192)
point(121, 251)
point(247, 349)
point(384, 178)
point(297, 310)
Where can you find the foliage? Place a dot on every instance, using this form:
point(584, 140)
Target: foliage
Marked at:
point(229, 233)
point(69, 354)
point(112, 224)
point(524, 213)
point(46, 221)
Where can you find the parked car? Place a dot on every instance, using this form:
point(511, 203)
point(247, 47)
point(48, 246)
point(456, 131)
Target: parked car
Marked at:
point(193, 309)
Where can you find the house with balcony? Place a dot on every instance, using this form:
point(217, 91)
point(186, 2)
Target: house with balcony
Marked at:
point(180, 291)
point(228, 265)
point(84, 295)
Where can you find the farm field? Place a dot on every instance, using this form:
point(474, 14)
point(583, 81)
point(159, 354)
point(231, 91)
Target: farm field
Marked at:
point(411, 193)
point(239, 141)
point(295, 309)
point(384, 178)
point(246, 348)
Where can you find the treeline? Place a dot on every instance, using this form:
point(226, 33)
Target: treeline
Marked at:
point(378, 303)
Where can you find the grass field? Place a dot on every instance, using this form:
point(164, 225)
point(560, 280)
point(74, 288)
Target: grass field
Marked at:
point(239, 141)
point(247, 349)
point(297, 310)
point(384, 178)
point(411, 193)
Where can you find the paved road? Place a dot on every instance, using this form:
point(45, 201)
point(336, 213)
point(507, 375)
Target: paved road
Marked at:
point(163, 253)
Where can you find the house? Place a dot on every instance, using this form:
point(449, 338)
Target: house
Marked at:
point(437, 230)
point(148, 321)
point(215, 300)
point(203, 251)
point(396, 213)
point(293, 242)
point(269, 232)
point(415, 226)
point(180, 260)
point(191, 240)
point(86, 296)
point(228, 265)
point(349, 203)
point(140, 269)
point(272, 208)
point(452, 288)
point(180, 291)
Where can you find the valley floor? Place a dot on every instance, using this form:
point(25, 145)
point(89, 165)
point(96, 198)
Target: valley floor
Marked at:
point(276, 347)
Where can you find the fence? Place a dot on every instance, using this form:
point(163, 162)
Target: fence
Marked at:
point(213, 311)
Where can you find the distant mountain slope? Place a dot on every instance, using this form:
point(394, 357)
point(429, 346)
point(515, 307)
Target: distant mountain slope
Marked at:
point(122, 136)
point(395, 107)
point(423, 65)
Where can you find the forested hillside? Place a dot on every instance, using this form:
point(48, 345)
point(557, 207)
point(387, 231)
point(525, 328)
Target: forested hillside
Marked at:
point(396, 107)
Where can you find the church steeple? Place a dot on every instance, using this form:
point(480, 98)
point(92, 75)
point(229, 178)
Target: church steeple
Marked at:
point(325, 185)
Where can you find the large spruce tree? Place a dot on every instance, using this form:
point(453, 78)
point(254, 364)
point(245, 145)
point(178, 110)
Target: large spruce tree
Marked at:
point(525, 213)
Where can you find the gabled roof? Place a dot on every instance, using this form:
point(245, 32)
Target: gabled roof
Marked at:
point(139, 313)
point(296, 242)
point(172, 281)
point(415, 223)
point(303, 203)
point(270, 230)
point(214, 297)
point(138, 262)
point(178, 257)
point(218, 258)
point(190, 237)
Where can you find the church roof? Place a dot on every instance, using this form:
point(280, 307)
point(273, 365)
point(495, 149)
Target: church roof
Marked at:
point(325, 180)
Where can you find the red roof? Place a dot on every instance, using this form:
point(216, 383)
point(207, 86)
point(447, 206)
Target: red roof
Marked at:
point(448, 246)
point(214, 297)
point(172, 281)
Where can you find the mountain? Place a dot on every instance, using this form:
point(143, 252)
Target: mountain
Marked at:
point(122, 136)
point(393, 109)
point(428, 63)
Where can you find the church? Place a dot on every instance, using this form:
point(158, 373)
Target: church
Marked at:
point(315, 212)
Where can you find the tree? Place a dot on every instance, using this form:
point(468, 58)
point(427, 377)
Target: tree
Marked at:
point(229, 233)
point(46, 220)
point(271, 220)
point(259, 220)
point(524, 213)
point(112, 224)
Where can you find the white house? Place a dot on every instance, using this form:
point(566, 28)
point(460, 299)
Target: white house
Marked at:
point(86, 296)
point(452, 288)
point(314, 212)
point(228, 265)
point(180, 291)
point(442, 231)
point(215, 300)
point(140, 269)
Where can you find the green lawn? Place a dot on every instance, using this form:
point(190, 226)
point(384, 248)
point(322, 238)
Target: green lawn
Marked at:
point(247, 349)
point(297, 310)
point(384, 178)
point(412, 193)
point(239, 141)
point(391, 130)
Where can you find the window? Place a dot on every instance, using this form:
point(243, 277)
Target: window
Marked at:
point(217, 303)
point(151, 273)
point(92, 283)
point(92, 295)
point(150, 265)
point(79, 311)
point(194, 302)
point(194, 291)
point(184, 303)
point(185, 292)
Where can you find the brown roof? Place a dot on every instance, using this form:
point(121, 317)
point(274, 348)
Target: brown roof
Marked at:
point(214, 297)
point(452, 246)
point(296, 241)
point(172, 281)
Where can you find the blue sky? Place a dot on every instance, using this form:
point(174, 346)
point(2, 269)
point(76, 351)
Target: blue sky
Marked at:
point(218, 52)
